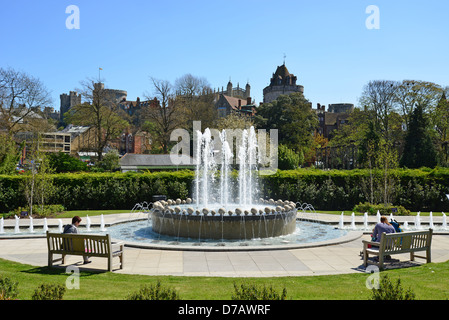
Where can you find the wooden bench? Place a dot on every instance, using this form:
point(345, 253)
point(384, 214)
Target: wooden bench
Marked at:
point(83, 245)
point(396, 243)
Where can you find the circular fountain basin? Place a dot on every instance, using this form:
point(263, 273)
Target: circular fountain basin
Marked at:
point(231, 226)
point(223, 222)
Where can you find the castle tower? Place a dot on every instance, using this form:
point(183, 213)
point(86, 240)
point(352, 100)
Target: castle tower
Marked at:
point(67, 102)
point(282, 82)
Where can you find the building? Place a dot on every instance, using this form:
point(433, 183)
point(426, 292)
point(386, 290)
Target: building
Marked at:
point(336, 116)
point(226, 105)
point(67, 102)
point(282, 82)
point(140, 162)
point(112, 95)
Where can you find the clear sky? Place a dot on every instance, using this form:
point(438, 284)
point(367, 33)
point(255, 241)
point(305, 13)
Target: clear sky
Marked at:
point(326, 43)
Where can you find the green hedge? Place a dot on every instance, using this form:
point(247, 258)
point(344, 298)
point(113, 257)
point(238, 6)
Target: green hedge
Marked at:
point(416, 190)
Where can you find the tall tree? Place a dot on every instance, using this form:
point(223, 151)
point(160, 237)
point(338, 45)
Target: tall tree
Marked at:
point(378, 96)
point(419, 150)
point(22, 96)
point(195, 100)
point(292, 115)
point(99, 111)
point(166, 116)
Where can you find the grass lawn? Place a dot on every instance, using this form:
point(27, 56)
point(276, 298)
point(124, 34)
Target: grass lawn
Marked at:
point(428, 282)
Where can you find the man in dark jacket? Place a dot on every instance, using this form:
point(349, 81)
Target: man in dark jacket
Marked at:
point(73, 228)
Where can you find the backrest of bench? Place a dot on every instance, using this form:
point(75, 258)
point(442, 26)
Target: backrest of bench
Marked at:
point(406, 241)
point(79, 243)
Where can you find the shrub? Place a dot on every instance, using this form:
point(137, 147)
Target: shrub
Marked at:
point(383, 209)
point(8, 288)
point(49, 292)
point(154, 292)
point(388, 291)
point(254, 292)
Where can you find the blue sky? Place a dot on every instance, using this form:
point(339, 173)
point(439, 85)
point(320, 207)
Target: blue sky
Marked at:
point(326, 43)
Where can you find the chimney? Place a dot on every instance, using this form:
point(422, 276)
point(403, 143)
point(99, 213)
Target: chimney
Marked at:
point(240, 103)
point(248, 101)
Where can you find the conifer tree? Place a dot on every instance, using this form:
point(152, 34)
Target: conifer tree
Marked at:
point(419, 150)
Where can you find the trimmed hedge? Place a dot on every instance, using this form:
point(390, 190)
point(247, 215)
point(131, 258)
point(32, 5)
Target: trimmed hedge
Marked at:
point(416, 190)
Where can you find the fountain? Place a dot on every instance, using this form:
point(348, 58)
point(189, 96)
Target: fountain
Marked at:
point(102, 228)
point(353, 227)
point(88, 223)
point(223, 208)
point(45, 227)
point(365, 220)
point(2, 230)
point(444, 226)
point(431, 225)
point(16, 227)
point(31, 225)
point(418, 221)
point(60, 226)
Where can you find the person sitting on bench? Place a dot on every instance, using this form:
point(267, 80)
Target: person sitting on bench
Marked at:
point(73, 228)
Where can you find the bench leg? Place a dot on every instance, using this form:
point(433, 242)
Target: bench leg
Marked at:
point(365, 258)
point(381, 262)
point(428, 256)
point(50, 259)
point(63, 259)
point(110, 263)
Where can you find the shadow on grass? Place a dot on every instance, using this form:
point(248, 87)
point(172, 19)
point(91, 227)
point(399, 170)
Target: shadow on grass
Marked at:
point(62, 270)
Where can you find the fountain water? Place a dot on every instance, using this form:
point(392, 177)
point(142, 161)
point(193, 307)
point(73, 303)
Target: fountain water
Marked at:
point(224, 208)
point(365, 220)
point(341, 224)
point(17, 227)
point(418, 221)
point(45, 228)
point(378, 216)
point(444, 226)
point(60, 226)
point(31, 225)
point(102, 228)
point(353, 227)
point(88, 223)
point(2, 230)
point(405, 226)
point(431, 225)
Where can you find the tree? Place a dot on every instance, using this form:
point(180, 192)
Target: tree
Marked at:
point(62, 162)
point(195, 100)
point(288, 159)
point(22, 96)
point(100, 111)
point(234, 121)
point(292, 115)
point(9, 155)
point(166, 117)
point(378, 96)
point(419, 150)
point(410, 93)
point(441, 125)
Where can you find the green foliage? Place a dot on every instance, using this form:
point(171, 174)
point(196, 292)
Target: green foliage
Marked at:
point(62, 162)
point(419, 150)
point(289, 159)
point(254, 292)
point(111, 161)
point(154, 292)
point(49, 292)
point(8, 288)
point(383, 209)
point(9, 155)
point(40, 212)
point(293, 117)
point(389, 291)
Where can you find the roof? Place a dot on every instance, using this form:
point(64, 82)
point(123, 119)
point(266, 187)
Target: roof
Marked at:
point(282, 71)
point(132, 161)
